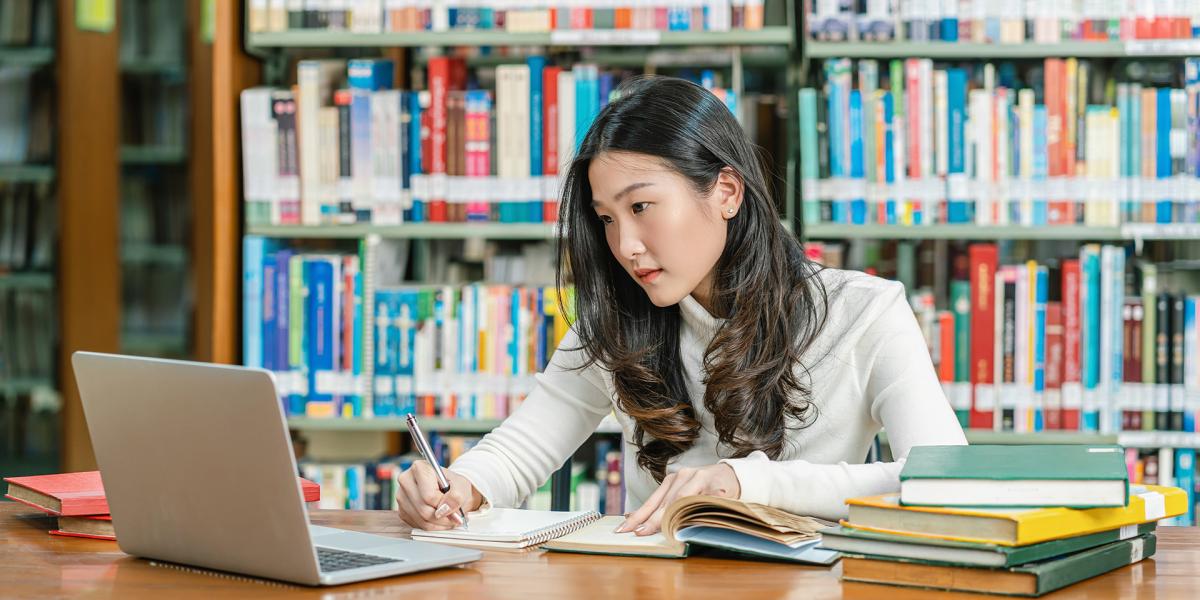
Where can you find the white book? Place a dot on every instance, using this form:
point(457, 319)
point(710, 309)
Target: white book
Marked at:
point(366, 16)
point(1025, 101)
point(383, 184)
point(980, 109)
point(316, 80)
point(259, 169)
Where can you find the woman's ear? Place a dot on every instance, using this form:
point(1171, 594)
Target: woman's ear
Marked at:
point(728, 192)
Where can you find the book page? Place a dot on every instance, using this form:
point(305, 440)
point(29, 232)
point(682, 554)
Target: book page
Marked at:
point(599, 537)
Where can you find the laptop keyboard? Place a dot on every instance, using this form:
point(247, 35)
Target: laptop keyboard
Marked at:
point(341, 560)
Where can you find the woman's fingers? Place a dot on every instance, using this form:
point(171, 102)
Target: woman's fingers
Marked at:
point(691, 486)
point(637, 517)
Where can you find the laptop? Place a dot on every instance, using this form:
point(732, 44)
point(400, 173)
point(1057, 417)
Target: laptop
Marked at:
point(199, 470)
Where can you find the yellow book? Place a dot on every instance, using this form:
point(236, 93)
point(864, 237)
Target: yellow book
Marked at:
point(1010, 526)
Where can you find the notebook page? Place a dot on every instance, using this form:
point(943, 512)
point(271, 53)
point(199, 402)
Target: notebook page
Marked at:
point(508, 524)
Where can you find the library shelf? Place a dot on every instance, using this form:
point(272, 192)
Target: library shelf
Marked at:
point(26, 173)
point(769, 36)
point(977, 51)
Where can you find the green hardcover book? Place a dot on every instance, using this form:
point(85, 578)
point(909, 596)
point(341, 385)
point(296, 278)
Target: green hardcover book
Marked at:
point(960, 302)
point(1070, 476)
point(877, 544)
point(809, 156)
point(1034, 579)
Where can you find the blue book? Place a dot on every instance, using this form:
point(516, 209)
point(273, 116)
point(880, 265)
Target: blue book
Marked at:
point(364, 76)
point(583, 109)
point(283, 296)
point(1041, 163)
point(889, 156)
point(1116, 338)
point(956, 164)
point(384, 384)
point(605, 84)
point(319, 279)
point(536, 65)
point(268, 322)
point(858, 206)
point(1162, 206)
point(414, 152)
point(254, 249)
point(837, 141)
point(1090, 333)
point(406, 311)
point(356, 339)
point(1191, 344)
point(949, 28)
point(1185, 478)
point(1041, 296)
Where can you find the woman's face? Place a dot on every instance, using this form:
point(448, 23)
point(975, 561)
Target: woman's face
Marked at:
point(666, 235)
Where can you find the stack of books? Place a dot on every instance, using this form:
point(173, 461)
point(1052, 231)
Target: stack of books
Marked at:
point(1014, 520)
point(77, 500)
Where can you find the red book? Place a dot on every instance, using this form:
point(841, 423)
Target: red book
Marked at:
point(946, 346)
point(1072, 375)
point(983, 259)
point(550, 139)
point(1054, 364)
point(98, 527)
point(82, 493)
point(1131, 369)
point(439, 90)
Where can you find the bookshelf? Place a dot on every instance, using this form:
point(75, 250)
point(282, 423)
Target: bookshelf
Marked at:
point(769, 36)
point(984, 51)
point(770, 50)
point(29, 56)
point(1124, 392)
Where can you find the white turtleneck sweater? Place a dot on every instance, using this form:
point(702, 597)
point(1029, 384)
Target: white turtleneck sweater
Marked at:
point(876, 373)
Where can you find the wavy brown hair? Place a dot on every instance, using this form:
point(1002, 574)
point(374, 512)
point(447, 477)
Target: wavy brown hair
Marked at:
point(755, 382)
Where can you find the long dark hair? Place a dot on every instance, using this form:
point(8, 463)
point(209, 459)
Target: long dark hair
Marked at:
point(764, 283)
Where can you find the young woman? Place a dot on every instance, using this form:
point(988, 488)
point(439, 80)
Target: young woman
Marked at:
point(735, 366)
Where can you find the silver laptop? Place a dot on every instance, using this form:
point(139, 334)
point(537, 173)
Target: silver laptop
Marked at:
point(198, 469)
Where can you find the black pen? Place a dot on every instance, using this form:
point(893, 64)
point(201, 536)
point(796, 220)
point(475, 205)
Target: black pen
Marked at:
point(427, 454)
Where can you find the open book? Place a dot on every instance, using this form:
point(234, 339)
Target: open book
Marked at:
point(729, 525)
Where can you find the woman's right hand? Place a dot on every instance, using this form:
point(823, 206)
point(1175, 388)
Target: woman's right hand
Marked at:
point(423, 506)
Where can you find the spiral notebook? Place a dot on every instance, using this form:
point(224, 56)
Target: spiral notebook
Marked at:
point(510, 528)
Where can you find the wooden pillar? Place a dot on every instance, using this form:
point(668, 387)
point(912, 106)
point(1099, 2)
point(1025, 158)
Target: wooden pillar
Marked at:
point(89, 277)
point(218, 216)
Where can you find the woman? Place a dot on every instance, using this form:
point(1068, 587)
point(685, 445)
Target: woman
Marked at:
point(735, 366)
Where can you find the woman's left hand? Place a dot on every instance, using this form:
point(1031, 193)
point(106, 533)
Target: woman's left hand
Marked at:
point(713, 480)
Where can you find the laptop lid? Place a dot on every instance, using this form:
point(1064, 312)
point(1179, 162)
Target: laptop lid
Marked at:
point(197, 464)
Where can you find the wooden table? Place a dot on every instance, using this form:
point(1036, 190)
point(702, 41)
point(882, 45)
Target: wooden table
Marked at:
point(36, 564)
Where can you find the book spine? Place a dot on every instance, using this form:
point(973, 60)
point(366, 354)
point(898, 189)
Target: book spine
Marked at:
point(550, 148)
point(1072, 392)
point(983, 260)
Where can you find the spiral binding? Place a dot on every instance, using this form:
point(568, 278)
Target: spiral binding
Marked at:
point(542, 536)
point(222, 575)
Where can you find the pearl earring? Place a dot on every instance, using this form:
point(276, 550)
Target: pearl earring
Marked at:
point(730, 211)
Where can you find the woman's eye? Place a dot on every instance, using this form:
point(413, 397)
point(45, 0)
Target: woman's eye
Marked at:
point(605, 219)
point(639, 207)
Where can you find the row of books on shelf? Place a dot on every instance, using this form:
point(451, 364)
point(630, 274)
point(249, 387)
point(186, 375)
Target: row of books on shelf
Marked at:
point(373, 485)
point(27, 336)
point(527, 16)
point(26, 115)
point(443, 351)
point(1083, 344)
point(28, 222)
point(913, 144)
point(26, 23)
point(346, 147)
point(1000, 22)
